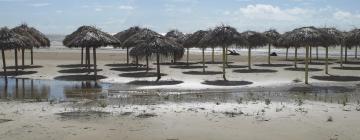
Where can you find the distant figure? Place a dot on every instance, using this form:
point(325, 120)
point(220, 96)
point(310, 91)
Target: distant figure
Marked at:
point(233, 52)
point(273, 54)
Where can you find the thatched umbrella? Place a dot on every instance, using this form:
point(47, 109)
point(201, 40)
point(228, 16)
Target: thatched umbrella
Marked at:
point(194, 41)
point(70, 37)
point(124, 35)
point(178, 37)
point(336, 39)
point(148, 42)
point(223, 36)
point(254, 40)
point(11, 40)
point(91, 37)
point(308, 37)
point(37, 39)
point(352, 39)
point(272, 36)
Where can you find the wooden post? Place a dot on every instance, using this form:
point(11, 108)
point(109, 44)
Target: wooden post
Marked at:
point(16, 62)
point(127, 55)
point(307, 66)
point(88, 63)
point(341, 56)
point(224, 64)
point(310, 48)
point(94, 57)
point(249, 58)
point(317, 53)
point(203, 59)
point(213, 55)
point(4, 65)
point(32, 55)
point(158, 67)
point(187, 56)
point(22, 58)
point(295, 62)
point(356, 52)
point(327, 60)
point(147, 63)
point(226, 56)
point(346, 55)
point(269, 57)
point(82, 55)
point(287, 52)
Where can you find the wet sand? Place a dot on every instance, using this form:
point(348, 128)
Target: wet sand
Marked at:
point(275, 106)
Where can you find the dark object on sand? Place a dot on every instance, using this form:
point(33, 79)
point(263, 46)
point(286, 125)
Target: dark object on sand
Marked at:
point(232, 52)
point(273, 54)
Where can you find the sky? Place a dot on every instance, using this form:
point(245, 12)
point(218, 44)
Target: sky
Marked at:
point(112, 16)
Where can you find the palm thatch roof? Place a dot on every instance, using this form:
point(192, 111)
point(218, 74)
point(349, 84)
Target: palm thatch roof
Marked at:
point(222, 36)
point(193, 40)
point(149, 42)
point(254, 39)
point(11, 40)
point(352, 38)
point(88, 36)
point(308, 36)
point(23, 30)
point(176, 35)
point(272, 36)
point(123, 35)
point(337, 37)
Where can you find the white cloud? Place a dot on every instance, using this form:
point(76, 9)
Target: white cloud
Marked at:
point(341, 15)
point(39, 4)
point(126, 7)
point(98, 9)
point(270, 12)
point(59, 11)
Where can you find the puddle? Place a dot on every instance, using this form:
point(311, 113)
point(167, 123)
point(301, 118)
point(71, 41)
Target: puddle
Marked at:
point(44, 90)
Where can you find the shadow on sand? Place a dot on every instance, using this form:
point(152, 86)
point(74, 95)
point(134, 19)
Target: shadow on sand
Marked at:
point(131, 69)
point(346, 68)
point(202, 73)
point(322, 89)
point(317, 63)
point(216, 62)
point(226, 83)
point(187, 67)
point(79, 70)
point(175, 64)
point(303, 69)
point(141, 74)
point(255, 71)
point(234, 66)
point(73, 66)
point(155, 83)
point(350, 62)
point(273, 65)
point(337, 78)
point(79, 77)
point(25, 67)
point(123, 65)
point(13, 73)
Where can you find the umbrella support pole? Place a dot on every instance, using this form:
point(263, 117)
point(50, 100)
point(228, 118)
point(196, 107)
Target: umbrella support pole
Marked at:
point(203, 59)
point(16, 62)
point(32, 56)
point(158, 67)
point(82, 55)
point(269, 54)
point(356, 52)
point(224, 57)
point(317, 53)
point(187, 56)
point(147, 63)
point(127, 55)
point(341, 56)
point(327, 60)
point(22, 58)
point(213, 55)
point(295, 62)
point(4, 65)
point(310, 54)
point(94, 57)
point(307, 66)
point(137, 61)
point(346, 54)
point(287, 53)
point(249, 58)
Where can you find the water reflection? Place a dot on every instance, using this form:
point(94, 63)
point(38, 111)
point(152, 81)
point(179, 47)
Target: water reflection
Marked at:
point(40, 90)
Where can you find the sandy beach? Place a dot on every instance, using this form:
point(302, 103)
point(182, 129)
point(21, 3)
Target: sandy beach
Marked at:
point(277, 105)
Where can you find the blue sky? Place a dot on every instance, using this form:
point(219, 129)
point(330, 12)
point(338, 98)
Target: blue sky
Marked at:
point(64, 16)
